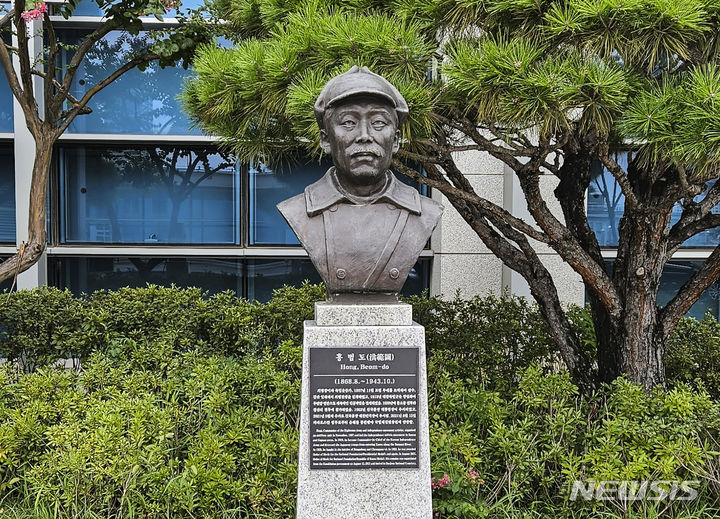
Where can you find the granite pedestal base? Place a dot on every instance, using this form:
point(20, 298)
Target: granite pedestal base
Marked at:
point(352, 492)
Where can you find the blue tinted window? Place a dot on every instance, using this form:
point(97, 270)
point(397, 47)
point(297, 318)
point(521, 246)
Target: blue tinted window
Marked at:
point(89, 8)
point(6, 106)
point(7, 195)
point(138, 102)
point(148, 196)
point(266, 275)
point(6, 97)
point(83, 274)
point(606, 205)
point(269, 187)
point(674, 276)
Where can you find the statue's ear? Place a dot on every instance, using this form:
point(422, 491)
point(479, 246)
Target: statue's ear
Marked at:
point(396, 142)
point(324, 142)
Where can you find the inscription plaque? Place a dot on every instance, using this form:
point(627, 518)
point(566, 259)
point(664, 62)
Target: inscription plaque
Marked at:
point(363, 408)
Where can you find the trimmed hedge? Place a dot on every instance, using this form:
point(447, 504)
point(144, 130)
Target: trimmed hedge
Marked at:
point(187, 407)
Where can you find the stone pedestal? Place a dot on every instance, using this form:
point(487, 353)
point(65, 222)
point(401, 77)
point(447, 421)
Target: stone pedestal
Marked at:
point(349, 491)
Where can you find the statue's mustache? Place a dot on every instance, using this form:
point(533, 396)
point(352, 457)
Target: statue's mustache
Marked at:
point(365, 151)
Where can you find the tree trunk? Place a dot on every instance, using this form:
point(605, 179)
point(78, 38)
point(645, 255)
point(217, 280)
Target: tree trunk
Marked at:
point(30, 252)
point(635, 340)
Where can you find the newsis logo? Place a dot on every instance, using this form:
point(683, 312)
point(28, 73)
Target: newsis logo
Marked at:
point(647, 490)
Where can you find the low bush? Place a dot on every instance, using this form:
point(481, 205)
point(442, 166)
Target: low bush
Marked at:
point(186, 406)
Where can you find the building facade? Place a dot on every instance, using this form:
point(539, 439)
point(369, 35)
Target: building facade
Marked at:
point(140, 196)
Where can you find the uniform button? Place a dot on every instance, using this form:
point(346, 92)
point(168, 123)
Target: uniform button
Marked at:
point(340, 273)
point(391, 207)
point(333, 208)
point(394, 273)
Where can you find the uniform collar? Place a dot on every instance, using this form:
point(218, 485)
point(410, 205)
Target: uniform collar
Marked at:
point(324, 193)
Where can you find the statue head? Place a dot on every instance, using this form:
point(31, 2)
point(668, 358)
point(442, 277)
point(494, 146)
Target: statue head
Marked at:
point(360, 114)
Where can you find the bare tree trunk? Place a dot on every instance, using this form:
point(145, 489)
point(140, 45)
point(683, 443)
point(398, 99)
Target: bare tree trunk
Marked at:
point(636, 336)
point(30, 251)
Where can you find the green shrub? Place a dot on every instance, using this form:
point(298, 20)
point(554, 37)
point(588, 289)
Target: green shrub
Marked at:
point(487, 340)
point(692, 354)
point(185, 406)
point(523, 453)
point(154, 432)
point(40, 326)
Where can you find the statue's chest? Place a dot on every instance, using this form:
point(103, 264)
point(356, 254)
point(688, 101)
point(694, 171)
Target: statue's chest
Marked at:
point(357, 237)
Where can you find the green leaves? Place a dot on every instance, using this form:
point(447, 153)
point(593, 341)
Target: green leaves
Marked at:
point(259, 96)
point(678, 122)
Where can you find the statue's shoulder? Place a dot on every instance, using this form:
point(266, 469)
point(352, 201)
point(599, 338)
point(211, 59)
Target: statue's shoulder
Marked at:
point(431, 211)
point(293, 208)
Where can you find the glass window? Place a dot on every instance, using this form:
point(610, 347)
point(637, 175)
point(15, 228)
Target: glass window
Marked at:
point(6, 106)
point(88, 274)
point(148, 195)
point(7, 195)
point(674, 276)
point(6, 96)
point(266, 275)
point(269, 187)
point(138, 102)
point(606, 205)
point(89, 8)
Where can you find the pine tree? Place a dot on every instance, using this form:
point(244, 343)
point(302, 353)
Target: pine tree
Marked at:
point(547, 87)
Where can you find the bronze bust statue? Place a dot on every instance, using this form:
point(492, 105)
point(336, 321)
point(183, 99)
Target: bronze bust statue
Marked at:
point(362, 228)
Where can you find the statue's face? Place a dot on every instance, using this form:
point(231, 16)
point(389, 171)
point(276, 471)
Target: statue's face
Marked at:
point(361, 134)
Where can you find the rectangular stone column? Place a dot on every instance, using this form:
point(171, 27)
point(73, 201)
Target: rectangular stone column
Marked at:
point(364, 441)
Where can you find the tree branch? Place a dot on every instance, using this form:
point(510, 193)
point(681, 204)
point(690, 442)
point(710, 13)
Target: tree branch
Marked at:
point(51, 111)
point(487, 207)
point(567, 246)
point(57, 85)
point(689, 293)
point(32, 117)
point(80, 52)
point(616, 171)
point(99, 86)
point(678, 235)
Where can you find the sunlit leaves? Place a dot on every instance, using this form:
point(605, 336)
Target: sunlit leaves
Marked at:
point(260, 95)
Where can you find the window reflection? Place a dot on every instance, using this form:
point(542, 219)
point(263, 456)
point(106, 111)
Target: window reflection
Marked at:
point(6, 107)
point(7, 195)
point(269, 187)
point(606, 205)
point(90, 8)
point(83, 274)
point(148, 196)
point(674, 276)
point(260, 276)
point(266, 275)
point(138, 102)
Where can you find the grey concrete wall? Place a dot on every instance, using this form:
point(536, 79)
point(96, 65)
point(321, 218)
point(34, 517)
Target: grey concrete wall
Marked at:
point(463, 263)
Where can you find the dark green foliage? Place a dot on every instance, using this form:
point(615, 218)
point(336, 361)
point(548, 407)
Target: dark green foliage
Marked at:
point(39, 327)
point(187, 407)
point(525, 450)
point(153, 432)
point(692, 354)
point(484, 340)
